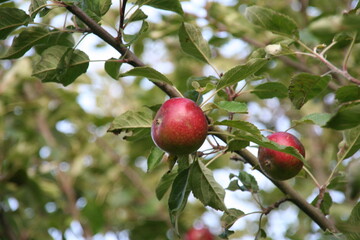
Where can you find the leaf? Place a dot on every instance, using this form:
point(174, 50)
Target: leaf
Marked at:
point(348, 116)
point(147, 72)
point(164, 184)
point(36, 6)
point(319, 119)
point(10, 19)
point(353, 233)
point(249, 182)
point(236, 144)
point(305, 86)
point(99, 7)
point(131, 38)
point(205, 188)
point(338, 182)
point(273, 21)
point(33, 36)
point(232, 106)
point(193, 43)
point(178, 191)
point(325, 203)
point(112, 67)
point(230, 217)
point(61, 64)
point(250, 132)
point(241, 72)
point(138, 15)
point(270, 90)
point(155, 157)
point(348, 93)
point(170, 5)
point(351, 143)
point(179, 195)
point(133, 122)
point(353, 179)
point(233, 186)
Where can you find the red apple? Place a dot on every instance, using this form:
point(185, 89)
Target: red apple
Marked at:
point(180, 126)
point(278, 165)
point(199, 234)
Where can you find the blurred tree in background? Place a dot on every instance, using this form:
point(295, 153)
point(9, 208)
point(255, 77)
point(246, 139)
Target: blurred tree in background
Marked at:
point(74, 72)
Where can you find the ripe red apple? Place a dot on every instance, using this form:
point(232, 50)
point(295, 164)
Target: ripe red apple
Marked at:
point(199, 234)
point(278, 165)
point(180, 126)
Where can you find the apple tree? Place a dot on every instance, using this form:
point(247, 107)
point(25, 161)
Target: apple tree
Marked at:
point(81, 82)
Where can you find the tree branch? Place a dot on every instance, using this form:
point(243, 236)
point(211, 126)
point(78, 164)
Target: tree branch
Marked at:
point(314, 213)
point(131, 58)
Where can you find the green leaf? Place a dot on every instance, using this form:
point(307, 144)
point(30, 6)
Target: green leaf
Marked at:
point(94, 210)
point(233, 186)
point(165, 182)
point(249, 132)
point(270, 90)
point(179, 191)
point(230, 217)
point(131, 38)
point(147, 72)
point(155, 157)
point(112, 67)
point(193, 43)
point(242, 125)
point(319, 119)
point(37, 36)
point(236, 144)
point(205, 188)
point(351, 143)
point(352, 231)
point(138, 15)
point(179, 195)
point(241, 72)
point(338, 182)
point(348, 93)
point(10, 19)
point(133, 123)
point(348, 116)
point(249, 182)
point(353, 179)
point(170, 5)
point(99, 7)
point(36, 6)
point(232, 106)
point(61, 64)
point(305, 86)
point(325, 204)
point(273, 21)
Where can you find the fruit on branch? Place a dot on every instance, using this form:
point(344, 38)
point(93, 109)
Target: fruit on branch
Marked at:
point(180, 126)
point(199, 234)
point(279, 165)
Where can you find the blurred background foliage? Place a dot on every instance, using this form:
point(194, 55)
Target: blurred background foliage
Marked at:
point(62, 176)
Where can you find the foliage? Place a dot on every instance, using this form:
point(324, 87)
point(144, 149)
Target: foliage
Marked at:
point(274, 66)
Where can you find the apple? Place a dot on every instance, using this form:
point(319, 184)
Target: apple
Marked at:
point(179, 127)
point(279, 165)
point(199, 234)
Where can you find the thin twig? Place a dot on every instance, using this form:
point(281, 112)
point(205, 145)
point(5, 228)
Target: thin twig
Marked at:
point(267, 210)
